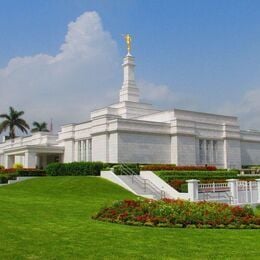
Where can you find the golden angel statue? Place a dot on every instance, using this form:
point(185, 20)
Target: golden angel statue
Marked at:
point(128, 40)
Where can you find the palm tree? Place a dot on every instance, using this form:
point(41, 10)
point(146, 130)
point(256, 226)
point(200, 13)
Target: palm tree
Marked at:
point(39, 127)
point(13, 120)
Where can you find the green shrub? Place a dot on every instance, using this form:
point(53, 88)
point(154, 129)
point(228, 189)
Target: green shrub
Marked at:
point(184, 187)
point(3, 178)
point(30, 172)
point(17, 166)
point(12, 176)
point(109, 165)
point(2, 167)
point(74, 168)
point(173, 167)
point(200, 175)
point(7, 171)
point(127, 169)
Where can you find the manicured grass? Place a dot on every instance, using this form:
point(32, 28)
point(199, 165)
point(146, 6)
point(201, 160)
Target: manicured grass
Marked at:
point(50, 218)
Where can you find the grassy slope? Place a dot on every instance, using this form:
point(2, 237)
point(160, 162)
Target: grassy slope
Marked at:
point(49, 218)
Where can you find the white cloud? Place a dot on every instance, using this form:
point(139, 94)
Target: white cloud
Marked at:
point(247, 109)
point(65, 87)
point(165, 97)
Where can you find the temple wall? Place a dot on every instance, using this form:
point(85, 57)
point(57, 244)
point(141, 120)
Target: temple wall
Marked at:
point(250, 153)
point(100, 148)
point(186, 150)
point(144, 148)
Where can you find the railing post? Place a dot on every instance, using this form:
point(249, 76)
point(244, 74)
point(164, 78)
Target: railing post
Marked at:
point(258, 190)
point(193, 189)
point(251, 191)
point(233, 185)
point(246, 188)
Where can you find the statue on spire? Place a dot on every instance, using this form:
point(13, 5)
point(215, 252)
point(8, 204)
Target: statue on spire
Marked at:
point(128, 40)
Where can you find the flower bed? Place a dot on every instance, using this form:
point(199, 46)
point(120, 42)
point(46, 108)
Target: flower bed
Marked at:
point(179, 213)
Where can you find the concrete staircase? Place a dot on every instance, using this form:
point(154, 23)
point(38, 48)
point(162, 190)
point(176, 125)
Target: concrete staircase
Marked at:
point(141, 186)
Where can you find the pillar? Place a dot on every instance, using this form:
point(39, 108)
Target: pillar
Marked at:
point(211, 159)
point(29, 160)
point(84, 150)
point(205, 155)
point(76, 151)
point(233, 185)
point(193, 189)
point(89, 150)
point(8, 161)
point(258, 190)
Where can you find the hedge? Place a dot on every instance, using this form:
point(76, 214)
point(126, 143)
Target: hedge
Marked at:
point(7, 171)
point(30, 172)
point(120, 169)
point(173, 167)
point(74, 168)
point(200, 175)
point(4, 178)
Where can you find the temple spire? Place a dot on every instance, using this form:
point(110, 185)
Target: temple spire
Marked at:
point(129, 91)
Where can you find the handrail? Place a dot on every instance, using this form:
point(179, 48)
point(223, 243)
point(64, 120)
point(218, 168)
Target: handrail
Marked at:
point(208, 196)
point(144, 182)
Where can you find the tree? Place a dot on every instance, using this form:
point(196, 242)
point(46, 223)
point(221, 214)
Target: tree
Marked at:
point(39, 127)
point(12, 121)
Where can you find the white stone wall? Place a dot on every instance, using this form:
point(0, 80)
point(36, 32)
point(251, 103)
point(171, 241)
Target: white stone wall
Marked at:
point(144, 148)
point(69, 151)
point(99, 148)
point(220, 154)
point(1, 159)
point(174, 150)
point(250, 153)
point(232, 153)
point(113, 148)
point(186, 150)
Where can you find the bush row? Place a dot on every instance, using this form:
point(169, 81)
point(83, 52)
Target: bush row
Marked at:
point(200, 175)
point(250, 166)
point(30, 172)
point(23, 172)
point(126, 169)
point(74, 168)
point(169, 167)
point(4, 178)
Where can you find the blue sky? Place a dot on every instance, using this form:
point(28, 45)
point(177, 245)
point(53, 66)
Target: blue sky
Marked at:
point(205, 53)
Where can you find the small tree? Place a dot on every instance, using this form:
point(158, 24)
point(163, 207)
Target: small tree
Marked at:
point(12, 121)
point(39, 127)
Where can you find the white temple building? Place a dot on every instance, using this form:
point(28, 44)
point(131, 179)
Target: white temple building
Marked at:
point(132, 131)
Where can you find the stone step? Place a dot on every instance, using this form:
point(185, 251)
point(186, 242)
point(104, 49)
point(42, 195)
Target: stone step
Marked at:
point(137, 184)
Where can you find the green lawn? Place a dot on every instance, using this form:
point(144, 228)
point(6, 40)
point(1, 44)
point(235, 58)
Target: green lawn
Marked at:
point(50, 218)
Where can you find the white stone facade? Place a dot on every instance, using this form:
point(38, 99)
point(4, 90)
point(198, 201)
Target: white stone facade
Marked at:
point(132, 131)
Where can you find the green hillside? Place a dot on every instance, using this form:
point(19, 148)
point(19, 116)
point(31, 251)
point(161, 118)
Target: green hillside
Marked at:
point(50, 218)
